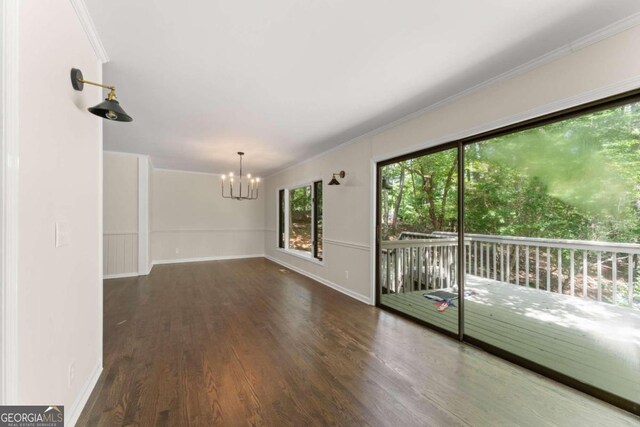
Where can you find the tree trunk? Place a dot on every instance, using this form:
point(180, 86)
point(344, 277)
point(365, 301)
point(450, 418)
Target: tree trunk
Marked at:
point(396, 208)
point(447, 185)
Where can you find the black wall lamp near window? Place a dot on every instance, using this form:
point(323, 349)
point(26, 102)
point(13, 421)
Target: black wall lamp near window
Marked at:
point(334, 181)
point(110, 108)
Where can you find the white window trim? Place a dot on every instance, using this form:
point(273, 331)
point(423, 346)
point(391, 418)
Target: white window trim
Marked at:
point(308, 256)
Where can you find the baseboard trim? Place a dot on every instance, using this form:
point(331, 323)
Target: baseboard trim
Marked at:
point(201, 259)
point(72, 418)
point(179, 261)
point(348, 292)
point(119, 275)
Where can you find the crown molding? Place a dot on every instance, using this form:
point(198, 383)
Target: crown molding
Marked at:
point(606, 32)
point(552, 107)
point(124, 153)
point(578, 44)
point(186, 171)
point(90, 30)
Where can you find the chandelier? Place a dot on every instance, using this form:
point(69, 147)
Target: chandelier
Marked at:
point(251, 185)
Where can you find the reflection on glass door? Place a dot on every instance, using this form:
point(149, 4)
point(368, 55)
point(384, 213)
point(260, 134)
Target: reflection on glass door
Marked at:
point(418, 243)
point(552, 223)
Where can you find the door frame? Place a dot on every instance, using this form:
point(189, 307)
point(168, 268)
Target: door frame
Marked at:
point(610, 101)
point(454, 145)
point(9, 153)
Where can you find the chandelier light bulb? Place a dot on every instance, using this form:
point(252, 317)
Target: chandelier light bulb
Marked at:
point(247, 187)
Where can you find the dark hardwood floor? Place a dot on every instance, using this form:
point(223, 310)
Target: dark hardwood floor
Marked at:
point(248, 343)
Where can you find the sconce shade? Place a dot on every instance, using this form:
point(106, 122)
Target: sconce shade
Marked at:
point(110, 110)
point(334, 181)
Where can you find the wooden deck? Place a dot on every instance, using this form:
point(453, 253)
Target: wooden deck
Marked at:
point(596, 343)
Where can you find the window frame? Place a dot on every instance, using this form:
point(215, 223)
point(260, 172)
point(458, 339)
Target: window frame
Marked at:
point(315, 207)
point(578, 110)
point(282, 233)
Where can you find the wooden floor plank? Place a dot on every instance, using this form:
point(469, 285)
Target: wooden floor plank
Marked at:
point(596, 343)
point(243, 343)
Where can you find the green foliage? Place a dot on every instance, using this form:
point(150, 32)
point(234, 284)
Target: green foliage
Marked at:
point(300, 203)
point(574, 179)
point(300, 218)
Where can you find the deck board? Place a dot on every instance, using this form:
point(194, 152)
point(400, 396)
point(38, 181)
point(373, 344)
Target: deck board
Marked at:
point(596, 343)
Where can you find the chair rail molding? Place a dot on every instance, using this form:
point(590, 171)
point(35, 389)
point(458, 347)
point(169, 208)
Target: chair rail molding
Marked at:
point(9, 200)
point(212, 230)
point(359, 246)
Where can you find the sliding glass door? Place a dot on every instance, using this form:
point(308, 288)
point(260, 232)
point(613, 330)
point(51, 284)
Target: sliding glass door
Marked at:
point(552, 220)
point(550, 266)
point(418, 245)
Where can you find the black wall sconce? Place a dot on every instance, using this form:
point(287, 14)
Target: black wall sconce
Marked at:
point(110, 108)
point(334, 181)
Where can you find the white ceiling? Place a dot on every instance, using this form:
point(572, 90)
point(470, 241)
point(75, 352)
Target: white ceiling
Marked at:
point(284, 80)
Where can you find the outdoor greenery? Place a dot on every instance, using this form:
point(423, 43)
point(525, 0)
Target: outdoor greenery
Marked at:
point(574, 179)
point(300, 218)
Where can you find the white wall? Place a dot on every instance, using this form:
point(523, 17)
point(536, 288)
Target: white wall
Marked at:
point(599, 70)
point(120, 207)
point(190, 220)
point(60, 291)
point(144, 171)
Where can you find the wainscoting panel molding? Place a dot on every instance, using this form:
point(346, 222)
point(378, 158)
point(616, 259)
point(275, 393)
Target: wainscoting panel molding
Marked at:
point(120, 254)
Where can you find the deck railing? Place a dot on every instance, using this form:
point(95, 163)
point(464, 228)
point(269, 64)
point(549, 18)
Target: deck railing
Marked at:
point(417, 264)
point(602, 271)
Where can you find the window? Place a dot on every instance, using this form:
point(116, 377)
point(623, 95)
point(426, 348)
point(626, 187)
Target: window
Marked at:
point(300, 219)
point(317, 230)
point(281, 229)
